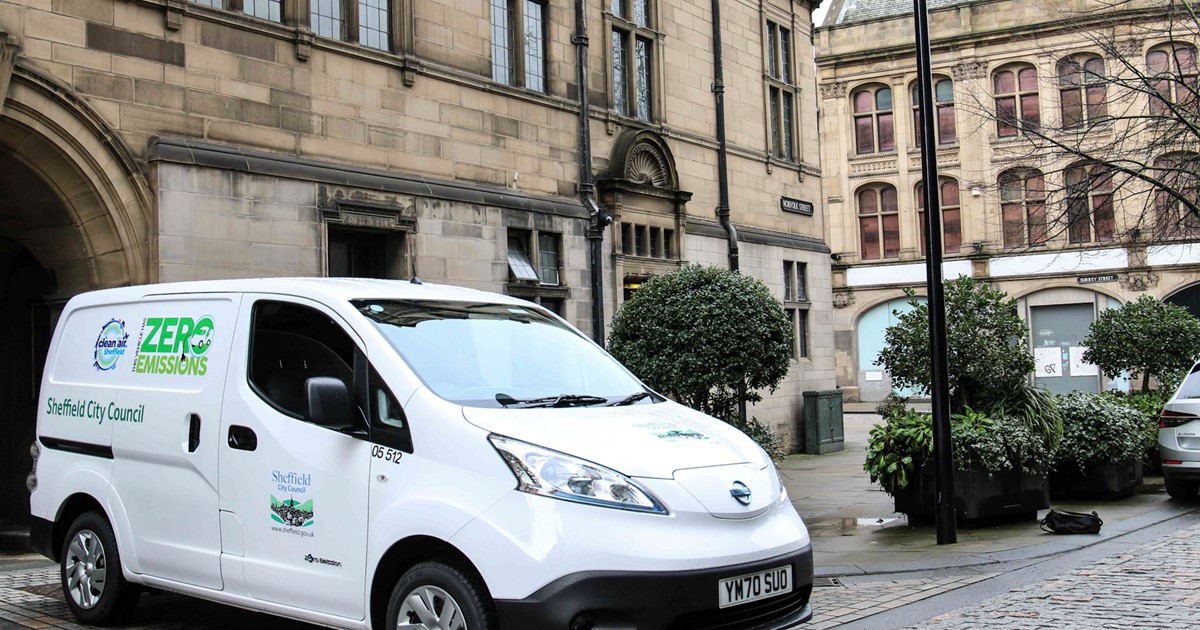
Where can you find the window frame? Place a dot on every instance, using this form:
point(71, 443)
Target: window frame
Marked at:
point(796, 305)
point(1161, 96)
point(1031, 206)
point(875, 115)
point(624, 26)
point(882, 217)
point(239, 6)
point(1171, 218)
point(1082, 87)
point(517, 48)
point(946, 185)
point(1089, 204)
point(781, 92)
point(1021, 120)
point(939, 106)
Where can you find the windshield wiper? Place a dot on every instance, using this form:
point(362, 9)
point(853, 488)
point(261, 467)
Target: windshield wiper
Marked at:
point(629, 400)
point(562, 400)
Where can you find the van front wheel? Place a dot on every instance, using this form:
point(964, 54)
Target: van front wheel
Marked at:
point(92, 582)
point(436, 596)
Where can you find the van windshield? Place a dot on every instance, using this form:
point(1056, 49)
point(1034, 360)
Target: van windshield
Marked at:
point(500, 355)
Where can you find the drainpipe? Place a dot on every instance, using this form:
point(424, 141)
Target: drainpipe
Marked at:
point(599, 219)
point(722, 154)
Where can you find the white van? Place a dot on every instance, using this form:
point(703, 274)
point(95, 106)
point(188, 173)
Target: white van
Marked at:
point(386, 454)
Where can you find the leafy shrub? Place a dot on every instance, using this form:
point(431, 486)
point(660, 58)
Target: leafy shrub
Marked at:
point(899, 445)
point(1148, 337)
point(1036, 407)
point(1097, 429)
point(893, 405)
point(998, 444)
point(761, 434)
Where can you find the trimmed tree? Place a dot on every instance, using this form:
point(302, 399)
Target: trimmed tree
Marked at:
point(1146, 336)
point(706, 337)
point(983, 333)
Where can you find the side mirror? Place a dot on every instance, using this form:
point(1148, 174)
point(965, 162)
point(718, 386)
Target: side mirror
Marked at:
point(329, 403)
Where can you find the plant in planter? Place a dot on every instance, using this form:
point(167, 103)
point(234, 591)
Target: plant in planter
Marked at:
point(1150, 404)
point(1101, 451)
point(897, 448)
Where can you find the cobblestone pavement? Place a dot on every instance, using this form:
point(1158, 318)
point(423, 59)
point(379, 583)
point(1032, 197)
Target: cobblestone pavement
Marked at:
point(838, 604)
point(1156, 585)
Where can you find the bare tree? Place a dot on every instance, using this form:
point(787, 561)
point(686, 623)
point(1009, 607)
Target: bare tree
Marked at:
point(1122, 141)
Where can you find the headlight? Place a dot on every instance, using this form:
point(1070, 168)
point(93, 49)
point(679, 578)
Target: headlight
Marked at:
point(779, 477)
point(553, 474)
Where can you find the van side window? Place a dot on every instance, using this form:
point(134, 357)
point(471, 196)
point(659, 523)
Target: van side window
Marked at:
point(384, 407)
point(290, 344)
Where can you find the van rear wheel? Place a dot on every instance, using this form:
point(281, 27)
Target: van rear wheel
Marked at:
point(436, 596)
point(95, 589)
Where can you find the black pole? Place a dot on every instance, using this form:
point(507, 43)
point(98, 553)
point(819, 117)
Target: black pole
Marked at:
point(718, 89)
point(947, 532)
point(586, 188)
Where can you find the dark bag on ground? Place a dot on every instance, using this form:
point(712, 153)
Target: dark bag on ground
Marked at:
point(1064, 522)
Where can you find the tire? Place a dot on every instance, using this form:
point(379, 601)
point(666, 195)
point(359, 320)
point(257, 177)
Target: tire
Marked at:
point(93, 585)
point(1181, 488)
point(433, 595)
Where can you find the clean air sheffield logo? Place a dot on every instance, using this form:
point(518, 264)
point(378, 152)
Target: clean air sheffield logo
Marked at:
point(110, 345)
point(174, 345)
point(292, 515)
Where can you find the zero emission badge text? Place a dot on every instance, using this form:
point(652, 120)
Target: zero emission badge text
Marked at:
point(174, 345)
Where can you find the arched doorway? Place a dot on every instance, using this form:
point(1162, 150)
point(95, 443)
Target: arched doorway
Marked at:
point(1188, 297)
point(873, 381)
point(74, 216)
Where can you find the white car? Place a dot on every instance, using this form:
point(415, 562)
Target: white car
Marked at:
point(1179, 438)
point(385, 454)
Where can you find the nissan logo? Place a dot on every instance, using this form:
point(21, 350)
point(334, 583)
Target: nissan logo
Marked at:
point(740, 493)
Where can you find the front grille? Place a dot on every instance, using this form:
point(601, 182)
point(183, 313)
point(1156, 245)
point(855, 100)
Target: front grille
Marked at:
point(747, 616)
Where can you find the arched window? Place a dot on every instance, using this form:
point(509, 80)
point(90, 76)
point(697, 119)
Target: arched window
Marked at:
point(878, 222)
point(1173, 68)
point(1017, 105)
point(1082, 93)
point(951, 221)
point(1023, 207)
point(874, 127)
point(1089, 203)
point(1179, 178)
point(943, 102)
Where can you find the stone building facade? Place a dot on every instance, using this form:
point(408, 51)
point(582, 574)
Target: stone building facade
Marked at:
point(1010, 217)
point(165, 140)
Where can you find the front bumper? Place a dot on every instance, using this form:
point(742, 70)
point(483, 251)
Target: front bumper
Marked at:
point(675, 600)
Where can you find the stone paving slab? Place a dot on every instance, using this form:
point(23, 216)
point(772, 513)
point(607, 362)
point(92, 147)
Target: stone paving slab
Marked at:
point(843, 603)
point(1155, 585)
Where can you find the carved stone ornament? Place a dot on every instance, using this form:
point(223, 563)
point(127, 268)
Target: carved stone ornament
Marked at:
point(1139, 281)
point(969, 70)
point(833, 90)
point(647, 165)
point(842, 300)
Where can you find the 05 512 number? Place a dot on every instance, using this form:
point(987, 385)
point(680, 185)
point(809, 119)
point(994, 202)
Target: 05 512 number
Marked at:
point(386, 454)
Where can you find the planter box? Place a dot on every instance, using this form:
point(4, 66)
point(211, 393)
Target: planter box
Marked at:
point(1110, 480)
point(977, 495)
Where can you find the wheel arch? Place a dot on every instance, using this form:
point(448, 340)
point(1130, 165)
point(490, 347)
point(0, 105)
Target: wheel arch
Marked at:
point(402, 555)
point(71, 508)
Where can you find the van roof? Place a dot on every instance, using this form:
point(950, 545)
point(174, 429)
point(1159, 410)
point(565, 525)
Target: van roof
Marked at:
point(331, 289)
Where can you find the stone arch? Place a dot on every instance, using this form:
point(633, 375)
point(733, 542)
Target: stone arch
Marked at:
point(643, 157)
point(90, 216)
point(1187, 296)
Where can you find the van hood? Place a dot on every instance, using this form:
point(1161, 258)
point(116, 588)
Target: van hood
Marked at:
point(646, 440)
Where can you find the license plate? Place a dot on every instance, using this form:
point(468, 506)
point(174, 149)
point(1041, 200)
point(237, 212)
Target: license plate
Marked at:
point(755, 586)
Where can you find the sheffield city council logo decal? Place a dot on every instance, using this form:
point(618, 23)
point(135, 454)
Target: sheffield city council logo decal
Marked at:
point(110, 345)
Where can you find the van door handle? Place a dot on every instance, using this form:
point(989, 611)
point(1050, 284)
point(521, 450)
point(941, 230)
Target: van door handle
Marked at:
point(193, 432)
point(242, 438)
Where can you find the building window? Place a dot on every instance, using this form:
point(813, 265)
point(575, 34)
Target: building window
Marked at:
point(951, 217)
point(878, 222)
point(1180, 173)
point(943, 101)
point(548, 255)
point(795, 281)
point(781, 92)
point(366, 22)
point(356, 253)
point(647, 241)
point(264, 9)
point(1082, 93)
point(799, 319)
point(1017, 104)
point(519, 54)
point(1171, 64)
point(1023, 207)
point(874, 126)
point(1089, 204)
point(632, 54)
